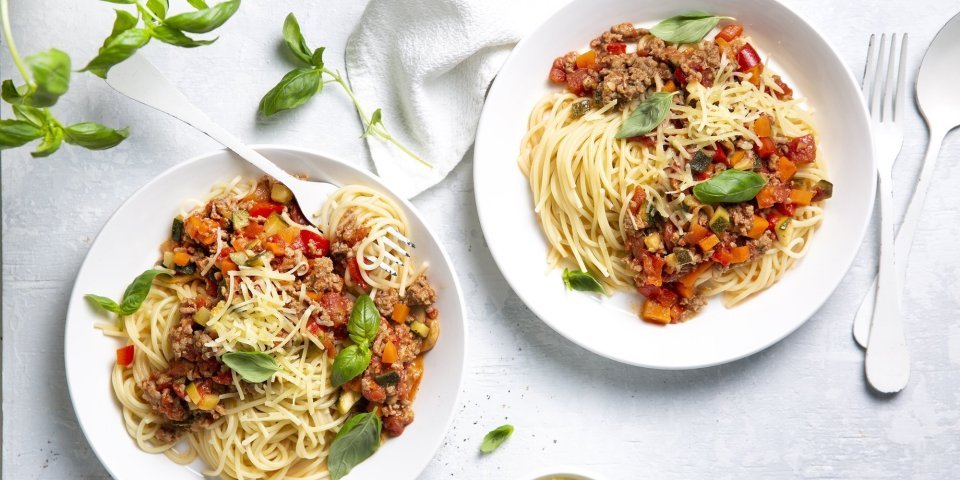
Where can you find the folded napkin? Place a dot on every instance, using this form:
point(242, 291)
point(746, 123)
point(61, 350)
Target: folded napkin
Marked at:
point(428, 64)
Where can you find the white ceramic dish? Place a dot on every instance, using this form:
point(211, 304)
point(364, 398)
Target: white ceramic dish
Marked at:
point(611, 327)
point(128, 244)
point(563, 473)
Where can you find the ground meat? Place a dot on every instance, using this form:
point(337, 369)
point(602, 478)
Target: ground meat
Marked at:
point(188, 339)
point(321, 276)
point(699, 63)
point(741, 216)
point(420, 292)
point(627, 77)
point(385, 301)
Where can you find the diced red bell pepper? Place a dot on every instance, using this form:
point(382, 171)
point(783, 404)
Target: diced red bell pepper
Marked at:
point(765, 148)
point(653, 269)
point(786, 209)
point(747, 57)
point(558, 76)
point(681, 77)
point(314, 244)
point(730, 32)
point(264, 209)
point(787, 91)
point(617, 48)
point(722, 256)
point(720, 155)
point(354, 269)
point(125, 356)
point(802, 150)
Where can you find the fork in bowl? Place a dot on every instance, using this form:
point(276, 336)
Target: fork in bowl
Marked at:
point(140, 80)
point(887, 364)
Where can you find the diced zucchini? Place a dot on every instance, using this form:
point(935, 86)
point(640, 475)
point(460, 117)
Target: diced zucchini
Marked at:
point(689, 203)
point(168, 259)
point(653, 241)
point(280, 193)
point(347, 400)
point(387, 379)
point(651, 216)
point(700, 162)
point(684, 257)
point(784, 229)
point(720, 221)
point(420, 328)
point(823, 189)
point(274, 224)
point(176, 230)
point(187, 269)
point(241, 218)
point(202, 316)
point(757, 162)
point(671, 261)
point(581, 107)
point(240, 258)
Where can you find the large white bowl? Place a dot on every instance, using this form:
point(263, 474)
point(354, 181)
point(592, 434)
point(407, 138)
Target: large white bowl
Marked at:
point(611, 327)
point(128, 244)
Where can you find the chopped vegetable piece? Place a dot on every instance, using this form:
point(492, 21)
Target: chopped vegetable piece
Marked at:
point(264, 209)
point(669, 87)
point(227, 265)
point(578, 109)
point(722, 256)
point(275, 245)
point(822, 190)
point(238, 258)
point(720, 156)
point(274, 224)
point(759, 226)
point(181, 259)
point(588, 60)
point(787, 209)
point(420, 328)
point(202, 316)
point(681, 77)
point(696, 233)
point(240, 219)
point(176, 230)
point(766, 147)
point(201, 397)
point(784, 230)
point(700, 162)
point(690, 279)
point(683, 290)
point(353, 268)
point(314, 244)
point(737, 159)
point(125, 356)
point(400, 313)
point(683, 256)
point(772, 194)
point(747, 58)
point(801, 197)
point(655, 313)
point(347, 400)
point(653, 241)
point(389, 354)
point(575, 81)
point(390, 378)
point(280, 193)
point(203, 230)
point(720, 221)
point(739, 254)
point(729, 32)
point(755, 72)
point(785, 169)
point(617, 48)
point(802, 149)
point(167, 260)
point(557, 73)
point(761, 126)
point(707, 243)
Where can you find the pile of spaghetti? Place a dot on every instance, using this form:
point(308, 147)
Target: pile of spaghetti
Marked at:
point(238, 349)
point(677, 170)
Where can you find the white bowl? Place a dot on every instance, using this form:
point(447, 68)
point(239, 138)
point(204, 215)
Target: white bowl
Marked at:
point(128, 244)
point(611, 327)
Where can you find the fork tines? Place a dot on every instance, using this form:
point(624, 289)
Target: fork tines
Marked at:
point(885, 103)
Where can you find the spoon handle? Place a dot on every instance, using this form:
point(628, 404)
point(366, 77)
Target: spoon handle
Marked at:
point(861, 323)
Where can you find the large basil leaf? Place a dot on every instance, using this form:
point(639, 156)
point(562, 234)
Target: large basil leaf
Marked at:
point(116, 50)
point(173, 36)
point(14, 133)
point(103, 302)
point(581, 281)
point(52, 139)
point(13, 94)
point(495, 438)
point(294, 39)
point(254, 367)
point(357, 440)
point(689, 27)
point(203, 21)
point(133, 296)
point(36, 116)
point(198, 4)
point(350, 362)
point(730, 186)
point(364, 321)
point(648, 115)
point(51, 75)
point(124, 21)
point(158, 7)
point(94, 136)
point(294, 89)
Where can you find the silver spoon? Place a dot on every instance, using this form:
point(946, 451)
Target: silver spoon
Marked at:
point(939, 101)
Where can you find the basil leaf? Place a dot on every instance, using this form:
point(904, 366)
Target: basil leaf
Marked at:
point(177, 38)
point(730, 186)
point(357, 440)
point(350, 362)
point(137, 291)
point(124, 21)
point(254, 367)
point(294, 39)
point(317, 58)
point(103, 302)
point(581, 281)
point(203, 21)
point(51, 75)
point(198, 4)
point(364, 324)
point(689, 27)
point(495, 438)
point(52, 139)
point(13, 94)
point(117, 50)
point(94, 136)
point(36, 116)
point(294, 89)
point(648, 115)
point(159, 7)
point(374, 120)
point(14, 133)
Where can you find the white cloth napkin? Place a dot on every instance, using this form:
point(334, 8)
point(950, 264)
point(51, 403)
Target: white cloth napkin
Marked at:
point(427, 64)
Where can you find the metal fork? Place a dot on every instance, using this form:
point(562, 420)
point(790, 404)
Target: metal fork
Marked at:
point(138, 79)
point(887, 363)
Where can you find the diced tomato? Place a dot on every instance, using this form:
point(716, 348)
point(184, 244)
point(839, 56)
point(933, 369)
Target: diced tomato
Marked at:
point(588, 60)
point(663, 296)
point(730, 32)
point(772, 219)
point(557, 72)
point(765, 148)
point(772, 194)
point(720, 155)
point(354, 269)
point(125, 356)
point(338, 307)
point(787, 91)
point(617, 48)
point(264, 209)
point(722, 256)
point(681, 77)
point(223, 378)
point(747, 57)
point(802, 150)
point(653, 269)
point(314, 244)
point(253, 230)
point(636, 201)
point(575, 81)
point(786, 209)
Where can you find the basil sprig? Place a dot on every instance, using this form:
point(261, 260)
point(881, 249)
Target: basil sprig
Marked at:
point(730, 186)
point(689, 27)
point(133, 296)
point(495, 438)
point(581, 281)
point(204, 20)
point(254, 367)
point(357, 440)
point(363, 327)
point(648, 115)
point(302, 83)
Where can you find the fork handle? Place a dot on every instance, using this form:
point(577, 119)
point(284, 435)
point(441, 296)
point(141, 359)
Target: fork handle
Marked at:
point(887, 362)
point(861, 323)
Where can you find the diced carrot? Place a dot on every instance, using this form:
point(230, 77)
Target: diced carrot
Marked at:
point(227, 265)
point(722, 256)
point(801, 197)
point(125, 355)
point(785, 169)
point(400, 312)
point(669, 86)
point(683, 290)
point(181, 259)
point(761, 126)
point(696, 233)
point(328, 346)
point(766, 198)
point(759, 226)
point(313, 295)
point(655, 313)
point(389, 353)
point(754, 72)
point(588, 60)
point(707, 243)
point(736, 157)
point(275, 245)
point(290, 234)
point(690, 279)
point(739, 254)
point(729, 32)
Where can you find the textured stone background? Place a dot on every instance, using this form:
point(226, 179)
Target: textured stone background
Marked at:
point(798, 409)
